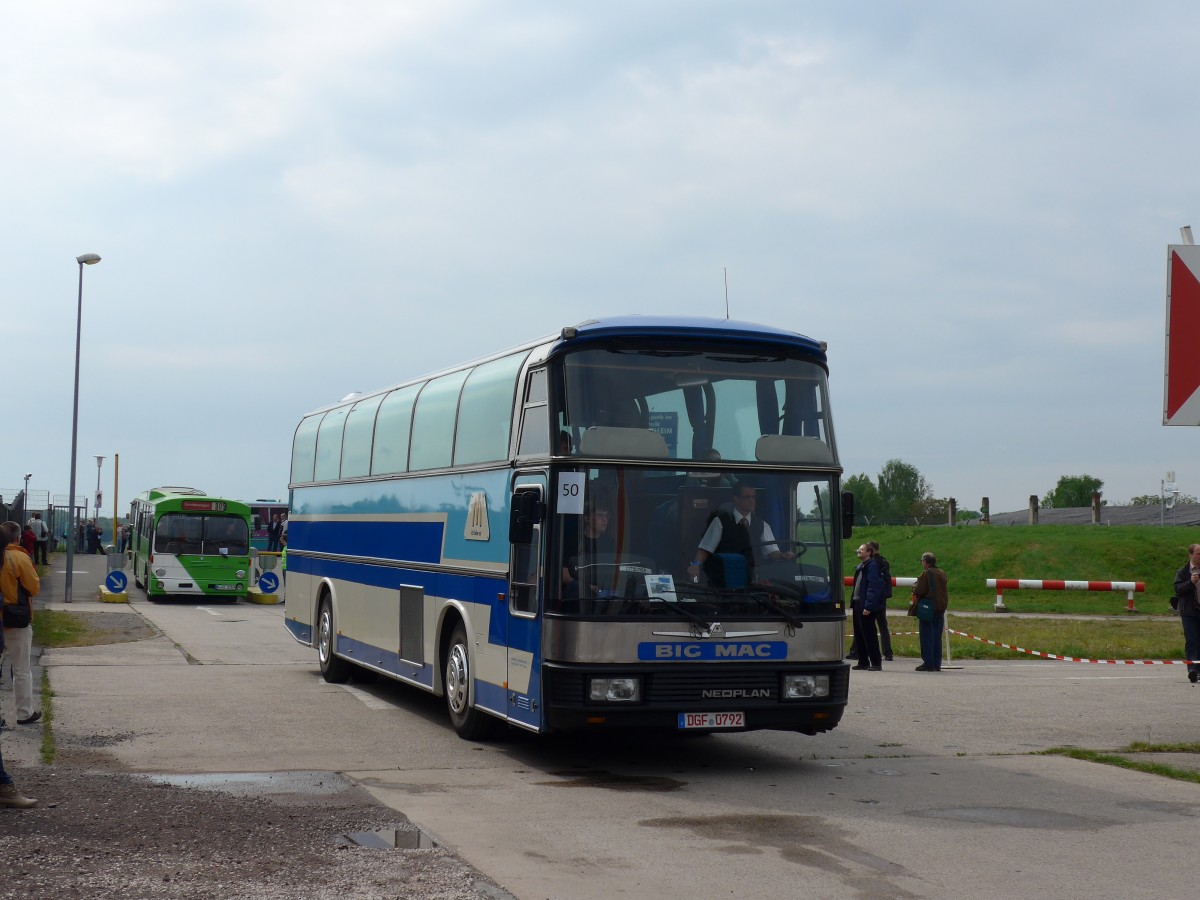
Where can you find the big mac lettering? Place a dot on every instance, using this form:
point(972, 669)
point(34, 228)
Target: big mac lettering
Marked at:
point(650, 651)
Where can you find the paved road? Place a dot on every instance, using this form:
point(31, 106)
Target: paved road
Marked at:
point(927, 789)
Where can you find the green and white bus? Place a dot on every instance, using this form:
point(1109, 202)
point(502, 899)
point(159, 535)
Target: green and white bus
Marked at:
point(185, 543)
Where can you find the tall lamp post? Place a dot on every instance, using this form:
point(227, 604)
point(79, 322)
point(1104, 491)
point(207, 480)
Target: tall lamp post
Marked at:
point(88, 259)
point(25, 503)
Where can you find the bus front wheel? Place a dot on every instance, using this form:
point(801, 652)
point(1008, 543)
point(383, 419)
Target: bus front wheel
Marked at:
point(333, 669)
point(470, 723)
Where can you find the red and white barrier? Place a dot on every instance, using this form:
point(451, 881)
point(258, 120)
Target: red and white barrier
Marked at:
point(1022, 584)
point(848, 581)
point(1079, 659)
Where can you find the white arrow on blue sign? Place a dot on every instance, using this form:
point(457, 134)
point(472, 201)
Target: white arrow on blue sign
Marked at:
point(268, 582)
point(116, 582)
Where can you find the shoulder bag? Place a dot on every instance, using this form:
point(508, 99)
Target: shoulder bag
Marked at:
point(927, 605)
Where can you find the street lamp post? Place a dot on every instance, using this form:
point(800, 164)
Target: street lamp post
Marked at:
point(26, 496)
point(88, 259)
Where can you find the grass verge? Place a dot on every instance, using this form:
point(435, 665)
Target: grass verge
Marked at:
point(1080, 638)
point(1109, 758)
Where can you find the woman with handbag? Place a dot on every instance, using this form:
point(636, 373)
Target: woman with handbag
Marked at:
point(930, 598)
point(19, 583)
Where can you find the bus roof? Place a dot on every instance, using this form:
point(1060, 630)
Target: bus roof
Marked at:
point(688, 327)
point(598, 330)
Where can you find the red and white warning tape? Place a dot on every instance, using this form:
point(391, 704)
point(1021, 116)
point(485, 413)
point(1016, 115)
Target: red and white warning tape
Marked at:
point(1105, 662)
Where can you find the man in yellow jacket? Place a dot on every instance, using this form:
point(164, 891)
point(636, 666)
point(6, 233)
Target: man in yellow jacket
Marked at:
point(18, 572)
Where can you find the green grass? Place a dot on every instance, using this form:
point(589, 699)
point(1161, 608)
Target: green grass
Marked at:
point(1128, 762)
point(972, 554)
point(53, 628)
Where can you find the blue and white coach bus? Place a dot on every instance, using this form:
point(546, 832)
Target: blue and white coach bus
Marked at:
point(518, 534)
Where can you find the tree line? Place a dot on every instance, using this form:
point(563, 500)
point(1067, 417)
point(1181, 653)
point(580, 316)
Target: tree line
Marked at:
point(900, 494)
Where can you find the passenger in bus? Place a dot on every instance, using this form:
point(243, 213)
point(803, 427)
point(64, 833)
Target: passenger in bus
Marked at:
point(593, 539)
point(233, 540)
point(736, 530)
point(564, 443)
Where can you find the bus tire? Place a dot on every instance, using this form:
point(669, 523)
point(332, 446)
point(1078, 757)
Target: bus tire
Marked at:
point(470, 723)
point(333, 669)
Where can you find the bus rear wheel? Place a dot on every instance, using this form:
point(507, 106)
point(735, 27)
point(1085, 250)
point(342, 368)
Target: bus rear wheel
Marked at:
point(333, 669)
point(470, 723)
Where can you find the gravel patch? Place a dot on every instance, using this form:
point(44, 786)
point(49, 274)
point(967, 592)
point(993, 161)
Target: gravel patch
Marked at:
point(102, 834)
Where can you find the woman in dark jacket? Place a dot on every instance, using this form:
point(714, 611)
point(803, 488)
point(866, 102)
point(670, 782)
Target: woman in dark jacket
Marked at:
point(1189, 613)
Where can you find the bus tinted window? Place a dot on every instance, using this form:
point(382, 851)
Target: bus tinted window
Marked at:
point(485, 411)
point(329, 445)
point(390, 452)
point(304, 449)
point(356, 444)
point(433, 422)
point(225, 536)
point(763, 407)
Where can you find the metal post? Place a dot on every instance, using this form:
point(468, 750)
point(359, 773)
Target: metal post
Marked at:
point(87, 259)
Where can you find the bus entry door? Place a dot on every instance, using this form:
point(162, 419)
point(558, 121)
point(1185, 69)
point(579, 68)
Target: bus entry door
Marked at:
point(526, 568)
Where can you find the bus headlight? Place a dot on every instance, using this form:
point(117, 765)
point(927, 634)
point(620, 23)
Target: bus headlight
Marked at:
point(615, 690)
point(241, 573)
point(160, 572)
point(802, 687)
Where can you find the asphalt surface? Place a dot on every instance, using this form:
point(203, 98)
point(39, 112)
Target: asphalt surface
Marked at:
point(930, 787)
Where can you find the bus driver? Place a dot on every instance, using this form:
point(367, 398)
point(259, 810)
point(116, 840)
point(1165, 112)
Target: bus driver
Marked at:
point(738, 530)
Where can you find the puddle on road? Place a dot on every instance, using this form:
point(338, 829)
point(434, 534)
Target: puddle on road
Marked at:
point(614, 782)
point(259, 783)
point(1016, 817)
point(389, 839)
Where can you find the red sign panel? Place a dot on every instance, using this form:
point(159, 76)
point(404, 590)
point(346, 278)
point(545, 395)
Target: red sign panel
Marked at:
point(1181, 400)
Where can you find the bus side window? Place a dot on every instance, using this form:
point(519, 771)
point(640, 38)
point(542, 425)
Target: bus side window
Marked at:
point(523, 588)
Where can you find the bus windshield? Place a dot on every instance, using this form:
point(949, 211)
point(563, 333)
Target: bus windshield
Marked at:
point(631, 548)
point(191, 534)
point(632, 400)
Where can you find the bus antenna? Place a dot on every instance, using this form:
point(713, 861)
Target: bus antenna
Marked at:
point(725, 269)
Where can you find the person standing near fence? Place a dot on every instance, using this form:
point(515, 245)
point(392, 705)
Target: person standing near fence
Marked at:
point(885, 570)
point(885, 636)
point(866, 600)
point(42, 533)
point(19, 584)
point(932, 582)
point(1189, 612)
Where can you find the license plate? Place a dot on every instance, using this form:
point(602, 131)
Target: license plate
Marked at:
point(225, 587)
point(712, 720)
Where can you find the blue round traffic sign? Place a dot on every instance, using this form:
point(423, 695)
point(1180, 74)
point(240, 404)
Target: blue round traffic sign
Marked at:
point(268, 582)
point(116, 582)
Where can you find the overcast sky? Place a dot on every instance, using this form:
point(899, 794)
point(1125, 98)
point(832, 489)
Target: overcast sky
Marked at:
point(970, 202)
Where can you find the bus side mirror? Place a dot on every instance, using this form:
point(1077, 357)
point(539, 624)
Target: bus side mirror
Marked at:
point(847, 514)
point(525, 513)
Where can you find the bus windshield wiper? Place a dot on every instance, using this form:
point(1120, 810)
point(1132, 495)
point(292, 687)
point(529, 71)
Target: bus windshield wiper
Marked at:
point(764, 599)
point(677, 607)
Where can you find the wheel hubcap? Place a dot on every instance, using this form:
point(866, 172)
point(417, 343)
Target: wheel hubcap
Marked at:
point(456, 678)
point(325, 637)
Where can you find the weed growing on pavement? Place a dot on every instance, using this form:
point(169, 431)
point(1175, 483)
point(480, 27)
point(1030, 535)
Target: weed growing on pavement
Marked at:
point(48, 747)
